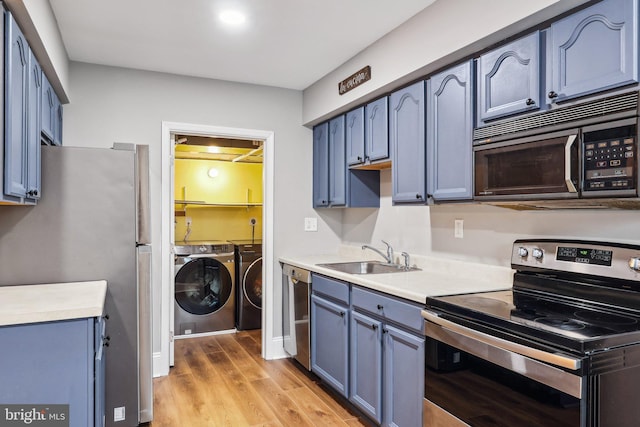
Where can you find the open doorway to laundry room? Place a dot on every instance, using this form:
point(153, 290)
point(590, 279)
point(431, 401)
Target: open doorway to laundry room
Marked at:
point(219, 192)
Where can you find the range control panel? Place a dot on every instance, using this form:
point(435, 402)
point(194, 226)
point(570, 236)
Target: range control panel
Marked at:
point(608, 260)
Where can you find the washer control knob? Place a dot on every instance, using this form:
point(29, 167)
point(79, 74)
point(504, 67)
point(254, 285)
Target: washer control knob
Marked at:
point(634, 264)
point(523, 252)
point(537, 253)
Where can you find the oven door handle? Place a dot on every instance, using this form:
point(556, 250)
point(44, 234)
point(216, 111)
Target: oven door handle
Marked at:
point(567, 164)
point(543, 356)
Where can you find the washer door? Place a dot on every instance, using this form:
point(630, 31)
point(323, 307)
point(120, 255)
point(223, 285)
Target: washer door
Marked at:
point(203, 286)
point(252, 283)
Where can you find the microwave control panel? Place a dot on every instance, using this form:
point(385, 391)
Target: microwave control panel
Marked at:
point(610, 164)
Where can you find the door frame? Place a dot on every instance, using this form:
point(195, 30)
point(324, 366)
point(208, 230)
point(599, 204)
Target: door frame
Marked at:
point(164, 359)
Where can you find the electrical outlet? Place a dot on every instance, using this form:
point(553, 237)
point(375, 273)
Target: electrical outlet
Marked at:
point(311, 224)
point(458, 228)
point(187, 220)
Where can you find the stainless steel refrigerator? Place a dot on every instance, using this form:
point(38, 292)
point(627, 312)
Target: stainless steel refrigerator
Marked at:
point(91, 223)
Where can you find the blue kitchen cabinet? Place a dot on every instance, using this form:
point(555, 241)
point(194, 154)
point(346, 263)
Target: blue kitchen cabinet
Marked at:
point(55, 363)
point(387, 358)
point(337, 162)
point(403, 383)
point(321, 165)
point(22, 118)
point(334, 184)
point(355, 136)
point(330, 332)
point(368, 134)
point(449, 134)
point(366, 365)
point(509, 79)
point(593, 49)
point(408, 144)
point(51, 114)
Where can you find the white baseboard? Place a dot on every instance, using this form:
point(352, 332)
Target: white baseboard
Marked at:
point(275, 350)
point(158, 369)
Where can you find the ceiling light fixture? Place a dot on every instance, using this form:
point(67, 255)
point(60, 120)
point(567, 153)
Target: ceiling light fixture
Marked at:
point(232, 17)
point(213, 172)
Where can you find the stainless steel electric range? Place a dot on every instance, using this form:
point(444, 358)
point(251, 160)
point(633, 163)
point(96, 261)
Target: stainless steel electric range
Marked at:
point(561, 348)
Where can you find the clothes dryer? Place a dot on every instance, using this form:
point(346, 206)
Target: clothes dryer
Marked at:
point(249, 284)
point(204, 287)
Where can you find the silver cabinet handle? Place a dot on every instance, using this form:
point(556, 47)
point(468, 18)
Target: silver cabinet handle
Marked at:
point(554, 359)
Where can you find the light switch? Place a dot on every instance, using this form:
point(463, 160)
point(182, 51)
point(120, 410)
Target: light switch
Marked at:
point(311, 224)
point(118, 414)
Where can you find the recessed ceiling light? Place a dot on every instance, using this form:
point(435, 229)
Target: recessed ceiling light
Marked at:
point(232, 17)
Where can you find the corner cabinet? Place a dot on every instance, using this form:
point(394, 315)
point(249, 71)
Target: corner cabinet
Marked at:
point(509, 79)
point(334, 185)
point(407, 139)
point(56, 363)
point(449, 134)
point(593, 49)
point(330, 332)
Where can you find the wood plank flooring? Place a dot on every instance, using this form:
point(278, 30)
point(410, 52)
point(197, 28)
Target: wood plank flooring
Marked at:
point(222, 380)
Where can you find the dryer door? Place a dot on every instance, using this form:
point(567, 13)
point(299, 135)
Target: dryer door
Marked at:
point(203, 286)
point(252, 283)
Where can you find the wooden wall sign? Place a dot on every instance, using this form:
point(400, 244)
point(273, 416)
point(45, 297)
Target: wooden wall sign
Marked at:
point(354, 80)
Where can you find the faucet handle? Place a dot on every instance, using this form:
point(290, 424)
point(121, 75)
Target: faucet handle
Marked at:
point(390, 259)
point(407, 259)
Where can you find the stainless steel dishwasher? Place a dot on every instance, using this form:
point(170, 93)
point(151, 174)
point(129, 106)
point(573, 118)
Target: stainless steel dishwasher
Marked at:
point(296, 284)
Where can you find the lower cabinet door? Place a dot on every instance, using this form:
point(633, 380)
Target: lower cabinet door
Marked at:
point(366, 365)
point(403, 378)
point(330, 343)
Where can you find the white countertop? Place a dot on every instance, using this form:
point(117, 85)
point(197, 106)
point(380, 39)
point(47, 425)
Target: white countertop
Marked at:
point(51, 302)
point(439, 276)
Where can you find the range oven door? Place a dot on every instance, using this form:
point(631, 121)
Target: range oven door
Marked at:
point(544, 166)
point(476, 379)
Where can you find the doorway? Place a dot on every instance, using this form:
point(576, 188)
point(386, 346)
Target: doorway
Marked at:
point(171, 132)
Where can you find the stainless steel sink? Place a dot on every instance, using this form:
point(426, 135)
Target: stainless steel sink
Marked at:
point(367, 267)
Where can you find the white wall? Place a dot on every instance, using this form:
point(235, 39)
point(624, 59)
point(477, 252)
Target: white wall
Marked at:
point(441, 34)
point(489, 231)
point(114, 104)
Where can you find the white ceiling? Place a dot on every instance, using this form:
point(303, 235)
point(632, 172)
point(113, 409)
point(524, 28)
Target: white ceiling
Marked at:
point(284, 43)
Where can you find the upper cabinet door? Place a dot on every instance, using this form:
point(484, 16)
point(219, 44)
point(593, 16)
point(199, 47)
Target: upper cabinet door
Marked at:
point(508, 79)
point(16, 88)
point(449, 140)
point(49, 112)
point(337, 162)
point(355, 136)
point(407, 137)
point(377, 130)
point(593, 49)
point(321, 165)
point(34, 126)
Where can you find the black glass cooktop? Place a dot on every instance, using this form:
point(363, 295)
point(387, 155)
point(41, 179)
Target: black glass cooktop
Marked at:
point(573, 326)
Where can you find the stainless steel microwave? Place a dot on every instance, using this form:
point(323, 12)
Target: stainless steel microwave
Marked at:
point(591, 161)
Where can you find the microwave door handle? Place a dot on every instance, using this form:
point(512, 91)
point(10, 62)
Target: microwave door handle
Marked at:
point(553, 358)
point(567, 164)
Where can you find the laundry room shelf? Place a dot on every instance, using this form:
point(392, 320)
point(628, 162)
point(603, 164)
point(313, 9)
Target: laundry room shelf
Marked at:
point(185, 203)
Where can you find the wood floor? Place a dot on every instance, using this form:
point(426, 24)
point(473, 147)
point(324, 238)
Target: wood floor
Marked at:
point(222, 380)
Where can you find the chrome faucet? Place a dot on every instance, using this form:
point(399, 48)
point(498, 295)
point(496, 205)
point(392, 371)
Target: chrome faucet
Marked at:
point(388, 257)
point(407, 260)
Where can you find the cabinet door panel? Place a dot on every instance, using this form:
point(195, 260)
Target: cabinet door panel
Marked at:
point(450, 127)
point(329, 343)
point(509, 78)
point(377, 130)
point(16, 84)
point(337, 163)
point(321, 165)
point(48, 112)
point(407, 136)
point(594, 49)
point(366, 365)
point(355, 136)
point(403, 378)
point(34, 124)
point(50, 363)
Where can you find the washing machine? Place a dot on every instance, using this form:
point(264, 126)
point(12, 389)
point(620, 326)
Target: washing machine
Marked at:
point(249, 284)
point(204, 287)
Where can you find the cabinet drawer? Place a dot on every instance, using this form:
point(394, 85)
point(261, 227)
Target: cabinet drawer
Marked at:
point(331, 288)
point(388, 308)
